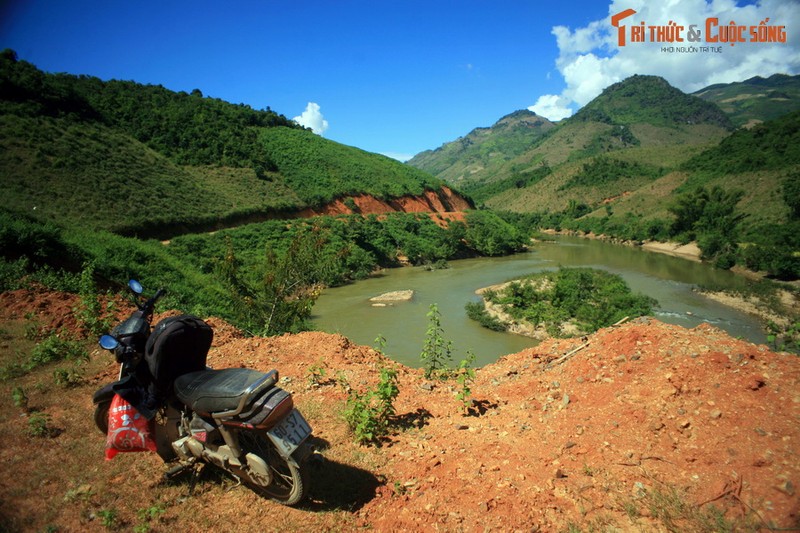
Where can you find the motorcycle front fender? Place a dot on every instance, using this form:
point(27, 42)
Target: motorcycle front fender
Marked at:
point(104, 394)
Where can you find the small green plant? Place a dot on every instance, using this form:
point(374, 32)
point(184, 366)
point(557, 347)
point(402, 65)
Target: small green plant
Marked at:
point(39, 425)
point(316, 374)
point(437, 353)
point(786, 338)
point(148, 515)
point(399, 488)
point(20, 398)
point(465, 376)
point(33, 328)
point(109, 518)
point(56, 347)
point(69, 377)
point(369, 413)
point(89, 310)
point(12, 370)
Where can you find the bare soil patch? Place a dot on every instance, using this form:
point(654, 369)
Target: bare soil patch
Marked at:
point(650, 427)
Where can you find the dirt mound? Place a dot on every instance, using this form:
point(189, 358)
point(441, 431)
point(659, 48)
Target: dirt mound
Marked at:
point(645, 427)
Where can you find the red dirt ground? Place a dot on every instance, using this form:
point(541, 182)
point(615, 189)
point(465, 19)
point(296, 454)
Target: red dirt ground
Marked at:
point(649, 427)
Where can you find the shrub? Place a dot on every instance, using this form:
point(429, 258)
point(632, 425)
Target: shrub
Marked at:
point(476, 311)
point(369, 413)
point(588, 297)
point(437, 352)
point(56, 347)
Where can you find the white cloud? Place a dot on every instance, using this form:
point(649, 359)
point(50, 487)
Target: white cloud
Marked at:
point(312, 118)
point(590, 58)
point(552, 107)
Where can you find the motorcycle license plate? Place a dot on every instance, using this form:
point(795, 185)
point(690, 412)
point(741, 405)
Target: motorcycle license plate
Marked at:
point(290, 432)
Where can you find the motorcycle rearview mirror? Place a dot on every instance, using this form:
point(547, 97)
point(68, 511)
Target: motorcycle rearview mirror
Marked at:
point(107, 342)
point(136, 287)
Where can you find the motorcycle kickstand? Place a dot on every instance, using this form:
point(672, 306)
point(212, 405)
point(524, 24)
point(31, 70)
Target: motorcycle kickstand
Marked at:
point(198, 468)
point(179, 469)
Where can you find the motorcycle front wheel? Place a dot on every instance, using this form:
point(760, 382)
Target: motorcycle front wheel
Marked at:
point(101, 416)
point(289, 484)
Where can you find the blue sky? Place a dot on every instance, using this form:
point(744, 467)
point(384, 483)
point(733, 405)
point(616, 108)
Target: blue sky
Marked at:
point(394, 77)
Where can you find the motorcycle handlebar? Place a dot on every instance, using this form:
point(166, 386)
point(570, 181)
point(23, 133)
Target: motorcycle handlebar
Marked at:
point(150, 304)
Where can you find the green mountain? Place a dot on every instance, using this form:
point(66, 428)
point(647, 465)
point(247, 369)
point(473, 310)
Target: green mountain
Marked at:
point(755, 100)
point(141, 159)
point(641, 127)
point(643, 160)
point(483, 148)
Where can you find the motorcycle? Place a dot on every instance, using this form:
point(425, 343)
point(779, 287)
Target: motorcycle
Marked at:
point(235, 419)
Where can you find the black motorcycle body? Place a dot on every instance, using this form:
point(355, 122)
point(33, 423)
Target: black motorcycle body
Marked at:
point(236, 419)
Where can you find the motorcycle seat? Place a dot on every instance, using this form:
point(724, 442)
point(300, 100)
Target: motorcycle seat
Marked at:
point(218, 391)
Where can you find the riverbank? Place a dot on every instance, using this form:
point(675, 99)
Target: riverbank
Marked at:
point(782, 309)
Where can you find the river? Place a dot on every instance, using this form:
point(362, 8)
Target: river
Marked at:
point(669, 280)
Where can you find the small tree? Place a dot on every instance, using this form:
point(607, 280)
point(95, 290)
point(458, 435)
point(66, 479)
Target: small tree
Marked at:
point(437, 353)
point(369, 413)
point(465, 376)
point(280, 298)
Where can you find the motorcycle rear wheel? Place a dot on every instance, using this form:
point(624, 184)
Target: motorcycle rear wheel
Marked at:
point(290, 483)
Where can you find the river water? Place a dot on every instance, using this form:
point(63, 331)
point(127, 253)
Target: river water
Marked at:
point(669, 280)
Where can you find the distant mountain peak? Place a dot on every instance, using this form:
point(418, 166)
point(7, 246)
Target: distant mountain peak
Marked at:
point(651, 100)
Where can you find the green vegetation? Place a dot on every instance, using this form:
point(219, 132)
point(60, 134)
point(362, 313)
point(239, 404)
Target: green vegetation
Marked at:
point(709, 218)
point(650, 99)
point(263, 277)
point(465, 375)
point(773, 145)
point(90, 312)
point(509, 137)
point(319, 170)
point(284, 289)
point(603, 170)
point(476, 311)
point(369, 413)
point(437, 352)
point(19, 398)
point(56, 347)
point(142, 160)
point(39, 425)
point(571, 301)
point(488, 234)
point(480, 192)
point(755, 100)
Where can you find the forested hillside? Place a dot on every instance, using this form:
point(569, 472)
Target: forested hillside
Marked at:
point(755, 100)
point(141, 159)
point(482, 148)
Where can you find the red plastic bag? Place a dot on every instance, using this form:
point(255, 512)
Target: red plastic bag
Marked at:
point(128, 431)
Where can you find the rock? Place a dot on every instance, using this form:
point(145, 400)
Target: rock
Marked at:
point(559, 474)
point(787, 487)
point(716, 413)
point(394, 296)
